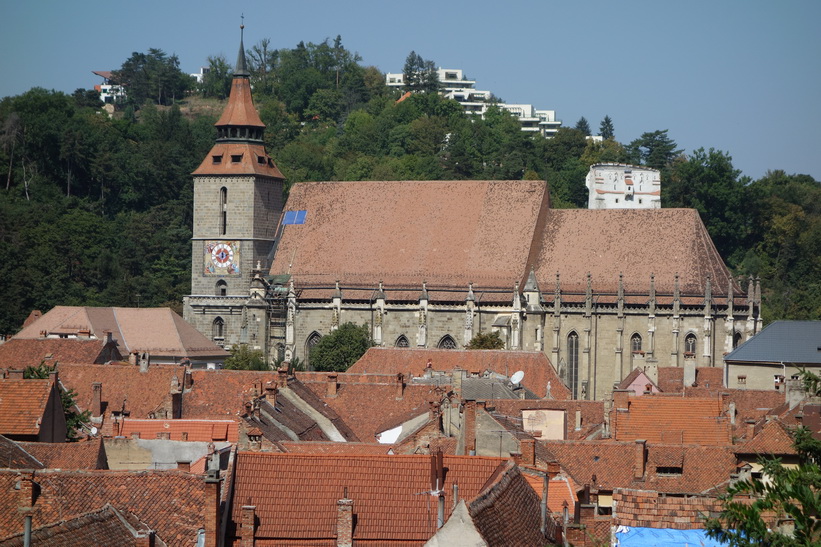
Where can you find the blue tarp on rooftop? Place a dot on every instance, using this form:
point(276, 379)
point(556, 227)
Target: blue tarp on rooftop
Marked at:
point(647, 537)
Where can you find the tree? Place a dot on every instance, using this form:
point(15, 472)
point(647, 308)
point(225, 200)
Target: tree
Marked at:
point(606, 128)
point(486, 340)
point(341, 349)
point(655, 150)
point(74, 418)
point(583, 126)
point(420, 74)
point(750, 506)
point(244, 358)
point(152, 76)
point(217, 81)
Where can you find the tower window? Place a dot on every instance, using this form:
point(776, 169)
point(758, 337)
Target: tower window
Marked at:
point(217, 159)
point(635, 343)
point(690, 345)
point(223, 210)
point(221, 288)
point(218, 329)
point(236, 158)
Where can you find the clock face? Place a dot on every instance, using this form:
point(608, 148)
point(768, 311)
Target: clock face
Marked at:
point(221, 258)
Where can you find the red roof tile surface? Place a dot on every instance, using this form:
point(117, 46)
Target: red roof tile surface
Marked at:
point(182, 430)
point(23, 405)
point(536, 366)
point(591, 413)
point(21, 353)
point(296, 495)
point(170, 503)
point(13, 456)
point(773, 439)
point(80, 455)
point(327, 448)
point(663, 419)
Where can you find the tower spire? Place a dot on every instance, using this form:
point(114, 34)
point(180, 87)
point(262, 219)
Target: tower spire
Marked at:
point(242, 67)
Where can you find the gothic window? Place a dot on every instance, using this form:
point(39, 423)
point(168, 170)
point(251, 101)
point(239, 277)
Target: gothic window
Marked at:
point(635, 343)
point(447, 342)
point(218, 329)
point(313, 339)
point(690, 345)
point(573, 363)
point(736, 339)
point(221, 288)
point(280, 352)
point(223, 210)
point(402, 342)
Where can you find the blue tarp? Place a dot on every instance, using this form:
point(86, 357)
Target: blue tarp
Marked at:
point(647, 537)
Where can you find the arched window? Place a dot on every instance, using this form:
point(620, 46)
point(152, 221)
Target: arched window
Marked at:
point(690, 345)
point(313, 339)
point(736, 339)
point(280, 352)
point(573, 363)
point(223, 210)
point(635, 343)
point(218, 329)
point(447, 342)
point(221, 288)
point(402, 342)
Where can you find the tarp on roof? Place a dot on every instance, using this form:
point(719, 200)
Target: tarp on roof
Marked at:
point(650, 537)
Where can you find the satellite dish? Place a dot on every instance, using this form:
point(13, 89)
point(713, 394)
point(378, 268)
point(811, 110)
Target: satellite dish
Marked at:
point(517, 376)
point(93, 430)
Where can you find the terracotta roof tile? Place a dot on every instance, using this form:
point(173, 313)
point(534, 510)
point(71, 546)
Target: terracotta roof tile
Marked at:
point(670, 419)
point(536, 366)
point(169, 502)
point(296, 495)
point(23, 405)
point(14, 456)
point(773, 439)
point(326, 448)
point(182, 430)
point(240, 109)
point(592, 413)
point(88, 454)
point(253, 160)
point(21, 353)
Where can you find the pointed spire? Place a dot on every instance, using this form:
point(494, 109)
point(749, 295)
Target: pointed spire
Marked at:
point(531, 285)
point(242, 67)
point(470, 297)
point(337, 291)
point(424, 294)
point(380, 293)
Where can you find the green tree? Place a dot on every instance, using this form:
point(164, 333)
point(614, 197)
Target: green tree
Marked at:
point(606, 128)
point(782, 492)
point(217, 81)
point(341, 349)
point(656, 150)
point(420, 74)
point(152, 76)
point(583, 126)
point(75, 419)
point(244, 358)
point(486, 340)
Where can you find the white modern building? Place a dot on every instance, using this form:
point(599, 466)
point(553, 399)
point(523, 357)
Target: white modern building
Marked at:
point(109, 91)
point(620, 186)
point(455, 85)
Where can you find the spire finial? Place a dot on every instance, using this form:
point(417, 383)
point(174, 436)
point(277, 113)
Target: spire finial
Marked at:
point(241, 69)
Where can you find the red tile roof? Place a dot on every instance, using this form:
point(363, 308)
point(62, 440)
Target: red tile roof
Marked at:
point(328, 448)
point(13, 456)
point(169, 502)
point(23, 405)
point(182, 430)
point(592, 413)
point(773, 439)
point(670, 419)
point(536, 366)
point(296, 495)
point(21, 353)
point(88, 454)
point(406, 232)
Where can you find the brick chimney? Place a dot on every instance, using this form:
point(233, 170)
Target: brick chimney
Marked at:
point(188, 379)
point(750, 429)
point(248, 525)
point(14, 374)
point(210, 510)
point(145, 361)
point(344, 521)
point(621, 398)
point(96, 399)
point(184, 465)
point(271, 393)
point(640, 459)
point(332, 385)
point(469, 424)
point(27, 489)
point(132, 358)
point(528, 449)
point(400, 386)
point(282, 377)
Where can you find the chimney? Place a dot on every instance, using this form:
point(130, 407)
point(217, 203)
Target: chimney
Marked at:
point(132, 358)
point(135, 435)
point(434, 409)
point(184, 465)
point(621, 398)
point(457, 375)
point(210, 511)
point(271, 393)
point(437, 471)
point(145, 361)
point(15, 374)
point(188, 379)
point(282, 377)
point(184, 436)
point(689, 372)
point(528, 449)
point(344, 521)
point(332, 385)
point(400, 386)
point(176, 399)
point(248, 525)
point(27, 490)
point(52, 376)
point(750, 429)
point(640, 459)
point(248, 408)
point(578, 420)
point(731, 412)
point(96, 399)
point(469, 425)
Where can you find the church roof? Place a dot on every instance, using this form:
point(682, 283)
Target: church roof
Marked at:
point(492, 233)
point(448, 233)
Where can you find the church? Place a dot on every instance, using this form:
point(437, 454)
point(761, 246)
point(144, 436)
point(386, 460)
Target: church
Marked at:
point(430, 264)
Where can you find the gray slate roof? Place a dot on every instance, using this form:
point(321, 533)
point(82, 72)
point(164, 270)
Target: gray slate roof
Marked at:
point(782, 341)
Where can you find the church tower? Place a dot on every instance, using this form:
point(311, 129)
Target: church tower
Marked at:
point(237, 205)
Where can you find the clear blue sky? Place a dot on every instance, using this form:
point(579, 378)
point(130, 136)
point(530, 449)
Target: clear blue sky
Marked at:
point(742, 76)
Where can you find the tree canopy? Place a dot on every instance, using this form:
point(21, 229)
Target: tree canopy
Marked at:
point(341, 349)
point(152, 76)
point(486, 340)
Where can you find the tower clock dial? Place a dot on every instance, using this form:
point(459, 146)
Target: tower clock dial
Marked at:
point(222, 258)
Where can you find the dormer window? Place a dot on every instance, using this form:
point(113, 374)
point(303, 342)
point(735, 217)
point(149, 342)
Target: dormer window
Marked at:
point(261, 160)
point(217, 159)
point(669, 471)
point(236, 158)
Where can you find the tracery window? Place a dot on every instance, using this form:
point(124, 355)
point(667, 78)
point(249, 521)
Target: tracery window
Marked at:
point(218, 329)
point(402, 342)
point(690, 345)
point(635, 343)
point(447, 342)
point(573, 363)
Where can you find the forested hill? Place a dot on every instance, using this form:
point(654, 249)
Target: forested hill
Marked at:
point(96, 210)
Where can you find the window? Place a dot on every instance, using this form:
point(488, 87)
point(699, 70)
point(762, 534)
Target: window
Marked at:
point(573, 363)
point(670, 471)
point(221, 288)
point(313, 339)
point(236, 158)
point(690, 345)
point(447, 342)
point(218, 330)
point(401, 342)
point(223, 210)
point(736, 339)
point(635, 343)
point(217, 159)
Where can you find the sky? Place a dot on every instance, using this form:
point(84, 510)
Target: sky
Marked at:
point(740, 76)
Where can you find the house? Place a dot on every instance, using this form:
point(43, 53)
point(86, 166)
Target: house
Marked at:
point(157, 335)
point(110, 91)
point(775, 355)
point(619, 186)
point(31, 409)
point(87, 454)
